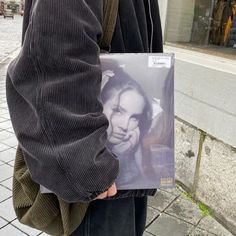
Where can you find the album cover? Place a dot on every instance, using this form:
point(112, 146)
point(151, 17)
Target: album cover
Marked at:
point(138, 98)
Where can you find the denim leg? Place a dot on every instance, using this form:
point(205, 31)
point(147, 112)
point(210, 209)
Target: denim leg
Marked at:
point(140, 215)
point(120, 217)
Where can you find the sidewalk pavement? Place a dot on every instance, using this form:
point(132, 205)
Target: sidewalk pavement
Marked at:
point(10, 35)
point(170, 212)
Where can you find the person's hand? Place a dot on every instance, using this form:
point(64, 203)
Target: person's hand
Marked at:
point(109, 193)
point(128, 143)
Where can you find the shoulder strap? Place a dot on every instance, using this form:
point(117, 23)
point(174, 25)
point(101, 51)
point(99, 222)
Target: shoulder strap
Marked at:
point(110, 11)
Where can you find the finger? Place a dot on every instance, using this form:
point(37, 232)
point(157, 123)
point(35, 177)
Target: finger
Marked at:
point(102, 196)
point(112, 191)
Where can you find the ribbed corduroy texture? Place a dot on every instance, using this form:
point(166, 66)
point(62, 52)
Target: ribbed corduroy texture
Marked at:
point(47, 212)
point(55, 82)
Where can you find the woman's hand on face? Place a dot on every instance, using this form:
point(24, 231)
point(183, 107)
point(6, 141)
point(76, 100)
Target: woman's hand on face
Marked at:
point(109, 193)
point(128, 143)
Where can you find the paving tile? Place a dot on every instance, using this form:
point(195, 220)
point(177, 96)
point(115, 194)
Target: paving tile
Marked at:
point(200, 232)
point(147, 234)
point(6, 116)
point(5, 134)
point(12, 141)
point(161, 200)
point(2, 119)
point(10, 130)
point(3, 111)
point(7, 210)
point(7, 183)
point(5, 193)
point(211, 225)
point(3, 147)
point(6, 172)
point(11, 163)
point(3, 105)
point(2, 223)
point(166, 225)
point(26, 229)
point(8, 155)
point(10, 230)
point(185, 209)
point(151, 214)
point(177, 191)
point(6, 125)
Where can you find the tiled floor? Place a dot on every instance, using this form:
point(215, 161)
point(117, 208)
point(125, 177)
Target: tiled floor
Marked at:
point(9, 225)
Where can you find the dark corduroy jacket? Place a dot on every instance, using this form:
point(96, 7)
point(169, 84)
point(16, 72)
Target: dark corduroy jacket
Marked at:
point(53, 91)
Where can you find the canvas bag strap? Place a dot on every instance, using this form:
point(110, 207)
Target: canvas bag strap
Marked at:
point(110, 12)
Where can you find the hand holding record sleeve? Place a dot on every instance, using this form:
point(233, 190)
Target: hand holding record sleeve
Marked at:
point(109, 193)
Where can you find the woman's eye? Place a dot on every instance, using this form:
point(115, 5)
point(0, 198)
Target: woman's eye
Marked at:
point(134, 119)
point(134, 122)
point(116, 110)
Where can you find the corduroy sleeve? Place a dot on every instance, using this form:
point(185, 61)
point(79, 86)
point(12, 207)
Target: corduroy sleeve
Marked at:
point(53, 94)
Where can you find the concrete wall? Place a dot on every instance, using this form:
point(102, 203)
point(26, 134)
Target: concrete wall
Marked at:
point(205, 95)
point(179, 20)
point(207, 168)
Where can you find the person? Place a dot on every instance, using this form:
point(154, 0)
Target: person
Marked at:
point(130, 116)
point(53, 89)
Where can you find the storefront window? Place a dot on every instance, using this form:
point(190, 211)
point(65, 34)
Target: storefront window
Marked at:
point(208, 24)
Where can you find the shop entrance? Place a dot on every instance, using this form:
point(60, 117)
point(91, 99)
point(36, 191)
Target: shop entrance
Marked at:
point(214, 23)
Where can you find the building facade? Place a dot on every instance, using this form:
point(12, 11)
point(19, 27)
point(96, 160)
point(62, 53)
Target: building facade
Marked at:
point(202, 24)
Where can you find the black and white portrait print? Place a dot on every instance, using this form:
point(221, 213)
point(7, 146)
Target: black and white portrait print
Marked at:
point(138, 102)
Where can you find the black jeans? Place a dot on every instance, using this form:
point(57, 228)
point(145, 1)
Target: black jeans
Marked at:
point(120, 217)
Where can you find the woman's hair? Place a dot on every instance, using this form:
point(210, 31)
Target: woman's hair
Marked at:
point(122, 82)
point(163, 128)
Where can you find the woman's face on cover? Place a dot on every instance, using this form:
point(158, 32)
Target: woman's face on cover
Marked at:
point(123, 112)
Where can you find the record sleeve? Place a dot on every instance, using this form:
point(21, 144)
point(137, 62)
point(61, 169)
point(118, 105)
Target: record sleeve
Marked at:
point(138, 98)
